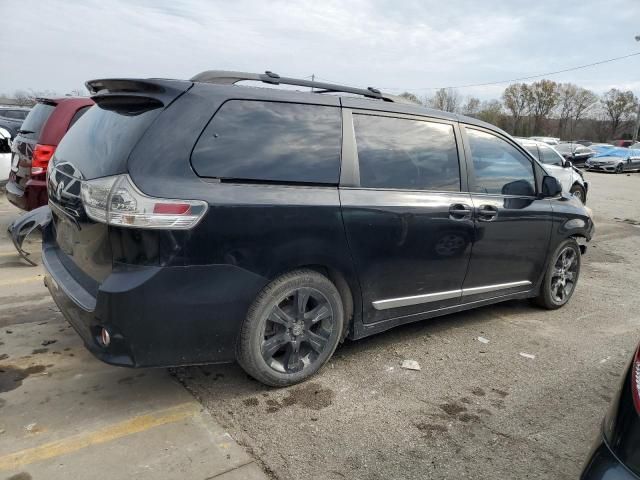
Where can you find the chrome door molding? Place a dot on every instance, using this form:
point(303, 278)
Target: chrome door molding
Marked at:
point(415, 300)
point(437, 296)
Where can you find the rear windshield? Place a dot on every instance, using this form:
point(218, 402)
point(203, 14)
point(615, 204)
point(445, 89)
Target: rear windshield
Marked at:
point(101, 140)
point(272, 142)
point(32, 125)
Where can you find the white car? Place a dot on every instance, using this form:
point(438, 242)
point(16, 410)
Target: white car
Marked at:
point(571, 179)
point(5, 154)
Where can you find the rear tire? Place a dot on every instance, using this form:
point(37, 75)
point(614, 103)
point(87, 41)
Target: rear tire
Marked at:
point(561, 277)
point(578, 192)
point(292, 329)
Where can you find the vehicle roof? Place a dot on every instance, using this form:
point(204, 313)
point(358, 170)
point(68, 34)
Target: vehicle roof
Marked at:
point(16, 107)
point(529, 141)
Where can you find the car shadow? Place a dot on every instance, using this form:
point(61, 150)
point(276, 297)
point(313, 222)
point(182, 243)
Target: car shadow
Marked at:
point(230, 380)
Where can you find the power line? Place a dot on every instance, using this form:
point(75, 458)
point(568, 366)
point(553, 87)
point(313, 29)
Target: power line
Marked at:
point(519, 79)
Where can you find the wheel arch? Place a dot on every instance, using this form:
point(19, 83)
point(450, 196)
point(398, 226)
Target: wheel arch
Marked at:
point(345, 286)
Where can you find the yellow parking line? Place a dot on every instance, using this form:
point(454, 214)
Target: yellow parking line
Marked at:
point(16, 460)
point(17, 281)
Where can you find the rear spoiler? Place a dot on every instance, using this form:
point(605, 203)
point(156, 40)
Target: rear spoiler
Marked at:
point(135, 95)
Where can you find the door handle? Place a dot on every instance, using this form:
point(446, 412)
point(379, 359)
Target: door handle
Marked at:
point(487, 213)
point(460, 211)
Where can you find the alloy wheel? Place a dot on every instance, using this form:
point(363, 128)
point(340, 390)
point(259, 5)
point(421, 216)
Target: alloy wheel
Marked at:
point(564, 275)
point(297, 330)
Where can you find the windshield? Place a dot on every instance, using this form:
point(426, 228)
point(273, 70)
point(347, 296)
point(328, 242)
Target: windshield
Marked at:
point(36, 119)
point(549, 156)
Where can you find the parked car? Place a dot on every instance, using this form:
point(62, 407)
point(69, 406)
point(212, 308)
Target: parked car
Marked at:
point(571, 179)
point(5, 154)
point(616, 453)
point(584, 143)
point(11, 124)
point(202, 221)
point(635, 145)
point(14, 113)
point(616, 159)
point(34, 145)
point(575, 152)
point(622, 143)
point(547, 140)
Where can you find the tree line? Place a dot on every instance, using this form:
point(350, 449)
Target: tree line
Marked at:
point(546, 108)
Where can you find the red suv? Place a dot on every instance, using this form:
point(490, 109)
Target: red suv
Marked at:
point(36, 143)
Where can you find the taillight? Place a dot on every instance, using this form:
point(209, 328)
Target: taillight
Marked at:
point(40, 159)
point(635, 380)
point(117, 201)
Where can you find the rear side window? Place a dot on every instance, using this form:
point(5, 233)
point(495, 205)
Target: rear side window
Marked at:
point(499, 167)
point(36, 119)
point(406, 154)
point(271, 141)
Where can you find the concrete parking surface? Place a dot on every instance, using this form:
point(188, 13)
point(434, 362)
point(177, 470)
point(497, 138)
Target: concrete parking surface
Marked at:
point(475, 410)
point(64, 414)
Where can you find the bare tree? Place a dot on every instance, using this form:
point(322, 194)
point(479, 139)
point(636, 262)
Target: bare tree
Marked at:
point(411, 97)
point(471, 106)
point(544, 98)
point(23, 98)
point(77, 92)
point(446, 99)
point(619, 106)
point(517, 99)
point(567, 93)
point(490, 112)
point(584, 101)
point(573, 102)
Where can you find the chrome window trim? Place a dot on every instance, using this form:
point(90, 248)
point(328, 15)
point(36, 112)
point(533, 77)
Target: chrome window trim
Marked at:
point(449, 294)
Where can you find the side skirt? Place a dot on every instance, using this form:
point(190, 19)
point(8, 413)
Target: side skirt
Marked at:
point(362, 330)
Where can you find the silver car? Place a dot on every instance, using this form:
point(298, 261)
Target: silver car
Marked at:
point(616, 159)
point(571, 179)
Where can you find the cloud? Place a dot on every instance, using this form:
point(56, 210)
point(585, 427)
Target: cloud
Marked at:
point(408, 45)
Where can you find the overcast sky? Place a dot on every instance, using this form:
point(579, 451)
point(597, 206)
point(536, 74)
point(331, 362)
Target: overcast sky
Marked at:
point(391, 44)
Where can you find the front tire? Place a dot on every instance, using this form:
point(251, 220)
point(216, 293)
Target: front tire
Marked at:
point(561, 278)
point(292, 329)
point(619, 168)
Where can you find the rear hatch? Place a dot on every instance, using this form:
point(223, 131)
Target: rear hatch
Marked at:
point(26, 140)
point(99, 146)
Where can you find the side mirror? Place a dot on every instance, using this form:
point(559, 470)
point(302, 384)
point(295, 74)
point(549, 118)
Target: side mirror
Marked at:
point(568, 164)
point(550, 187)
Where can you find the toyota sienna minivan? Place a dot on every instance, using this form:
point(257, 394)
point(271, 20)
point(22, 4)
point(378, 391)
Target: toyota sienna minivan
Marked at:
point(209, 221)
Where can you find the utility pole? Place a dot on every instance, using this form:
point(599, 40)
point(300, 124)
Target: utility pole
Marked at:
point(635, 130)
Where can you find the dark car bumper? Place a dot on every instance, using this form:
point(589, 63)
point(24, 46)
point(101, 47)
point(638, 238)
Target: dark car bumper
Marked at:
point(602, 464)
point(156, 316)
point(34, 194)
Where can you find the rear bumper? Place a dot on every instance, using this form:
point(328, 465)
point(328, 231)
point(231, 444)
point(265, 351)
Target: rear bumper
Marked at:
point(34, 194)
point(156, 316)
point(602, 464)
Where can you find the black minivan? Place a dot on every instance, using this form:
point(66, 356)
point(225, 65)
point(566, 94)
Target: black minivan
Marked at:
point(205, 221)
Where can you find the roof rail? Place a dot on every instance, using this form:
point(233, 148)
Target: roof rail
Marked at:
point(223, 77)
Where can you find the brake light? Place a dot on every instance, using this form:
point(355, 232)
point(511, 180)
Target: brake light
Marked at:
point(117, 201)
point(40, 159)
point(635, 380)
